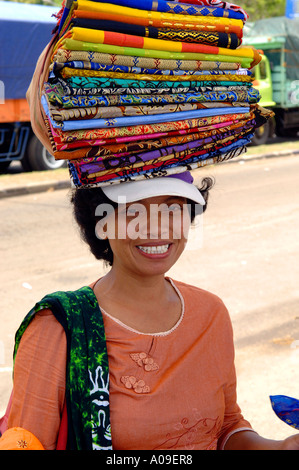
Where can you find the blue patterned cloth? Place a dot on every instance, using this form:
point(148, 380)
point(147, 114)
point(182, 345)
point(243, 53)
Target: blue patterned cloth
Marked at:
point(178, 8)
point(137, 120)
point(287, 409)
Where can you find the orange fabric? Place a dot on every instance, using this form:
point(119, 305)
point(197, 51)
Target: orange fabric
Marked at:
point(171, 24)
point(19, 439)
point(174, 390)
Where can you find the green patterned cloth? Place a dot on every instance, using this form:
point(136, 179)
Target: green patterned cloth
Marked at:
point(87, 374)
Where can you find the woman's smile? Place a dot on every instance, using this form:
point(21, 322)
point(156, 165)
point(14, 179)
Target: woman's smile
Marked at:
point(155, 251)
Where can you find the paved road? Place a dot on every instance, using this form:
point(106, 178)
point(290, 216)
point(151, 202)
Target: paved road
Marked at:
point(249, 257)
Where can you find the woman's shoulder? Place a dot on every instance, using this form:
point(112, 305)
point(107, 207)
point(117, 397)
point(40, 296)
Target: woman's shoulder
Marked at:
point(198, 295)
point(204, 310)
point(43, 327)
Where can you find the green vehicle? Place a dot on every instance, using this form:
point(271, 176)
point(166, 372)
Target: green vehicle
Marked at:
point(277, 75)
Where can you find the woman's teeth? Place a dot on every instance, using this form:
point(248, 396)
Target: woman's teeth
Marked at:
point(157, 249)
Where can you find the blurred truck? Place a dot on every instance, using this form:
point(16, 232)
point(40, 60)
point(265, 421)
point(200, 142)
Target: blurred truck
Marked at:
point(24, 32)
point(277, 75)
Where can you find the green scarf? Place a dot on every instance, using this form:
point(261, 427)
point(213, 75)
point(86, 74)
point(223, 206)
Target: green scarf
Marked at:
point(87, 372)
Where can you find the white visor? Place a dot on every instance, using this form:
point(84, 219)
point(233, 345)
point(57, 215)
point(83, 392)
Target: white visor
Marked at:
point(165, 186)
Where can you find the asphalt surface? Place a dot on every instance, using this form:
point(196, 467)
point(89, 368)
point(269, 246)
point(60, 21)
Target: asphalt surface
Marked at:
point(248, 256)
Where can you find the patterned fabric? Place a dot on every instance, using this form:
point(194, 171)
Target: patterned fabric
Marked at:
point(91, 148)
point(287, 409)
point(139, 120)
point(100, 160)
point(72, 87)
point(229, 40)
point(142, 13)
point(90, 154)
point(87, 375)
point(68, 72)
point(145, 88)
point(157, 173)
point(178, 9)
point(133, 16)
point(71, 44)
point(218, 3)
point(65, 55)
point(118, 111)
point(72, 150)
point(85, 65)
point(158, 166)
point(127, 40)
point(143, 130)
point(207, 96)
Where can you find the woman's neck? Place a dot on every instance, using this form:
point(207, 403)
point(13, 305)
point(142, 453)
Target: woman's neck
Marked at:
point(129, 285)
point(148, 305)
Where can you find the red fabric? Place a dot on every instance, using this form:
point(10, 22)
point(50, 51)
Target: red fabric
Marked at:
point(63, 431)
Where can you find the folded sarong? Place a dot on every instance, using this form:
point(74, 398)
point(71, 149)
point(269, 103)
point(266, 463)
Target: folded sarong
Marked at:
point(105, 82)
point(216, 94)
point(145, 130)
point(140, 120)
point(124, 146)
point(73, 114)
point(56, 67)
point(150, 149)
point(158, 164)
point(201, 100)
point(68, 72)
point(218, 39)
point(111, 112)
point(129, 16)
point(128, 40)
point(64, 150)
point(64, 55)
point(71, 44)
point(108, 166)
point(154, 173)
point(68, 150)
point(155, 17)
point(156, 88)
point(178, 8)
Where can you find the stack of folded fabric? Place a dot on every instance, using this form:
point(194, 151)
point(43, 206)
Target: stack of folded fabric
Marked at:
point(139, 89)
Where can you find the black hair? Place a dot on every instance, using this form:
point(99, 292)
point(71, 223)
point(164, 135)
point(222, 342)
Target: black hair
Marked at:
point(85, 201)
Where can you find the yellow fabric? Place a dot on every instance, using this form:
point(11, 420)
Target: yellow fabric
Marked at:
point(152, 15)
point(71, 44)
point(98, 36)
point(70, 72)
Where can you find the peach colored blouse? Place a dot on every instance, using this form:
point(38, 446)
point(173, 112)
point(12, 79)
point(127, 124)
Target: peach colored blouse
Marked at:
point(173, 390)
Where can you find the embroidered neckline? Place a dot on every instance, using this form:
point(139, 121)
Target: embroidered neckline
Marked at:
point(160, 333)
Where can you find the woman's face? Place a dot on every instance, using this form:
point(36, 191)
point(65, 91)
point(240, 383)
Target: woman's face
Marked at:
point(150, 235)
